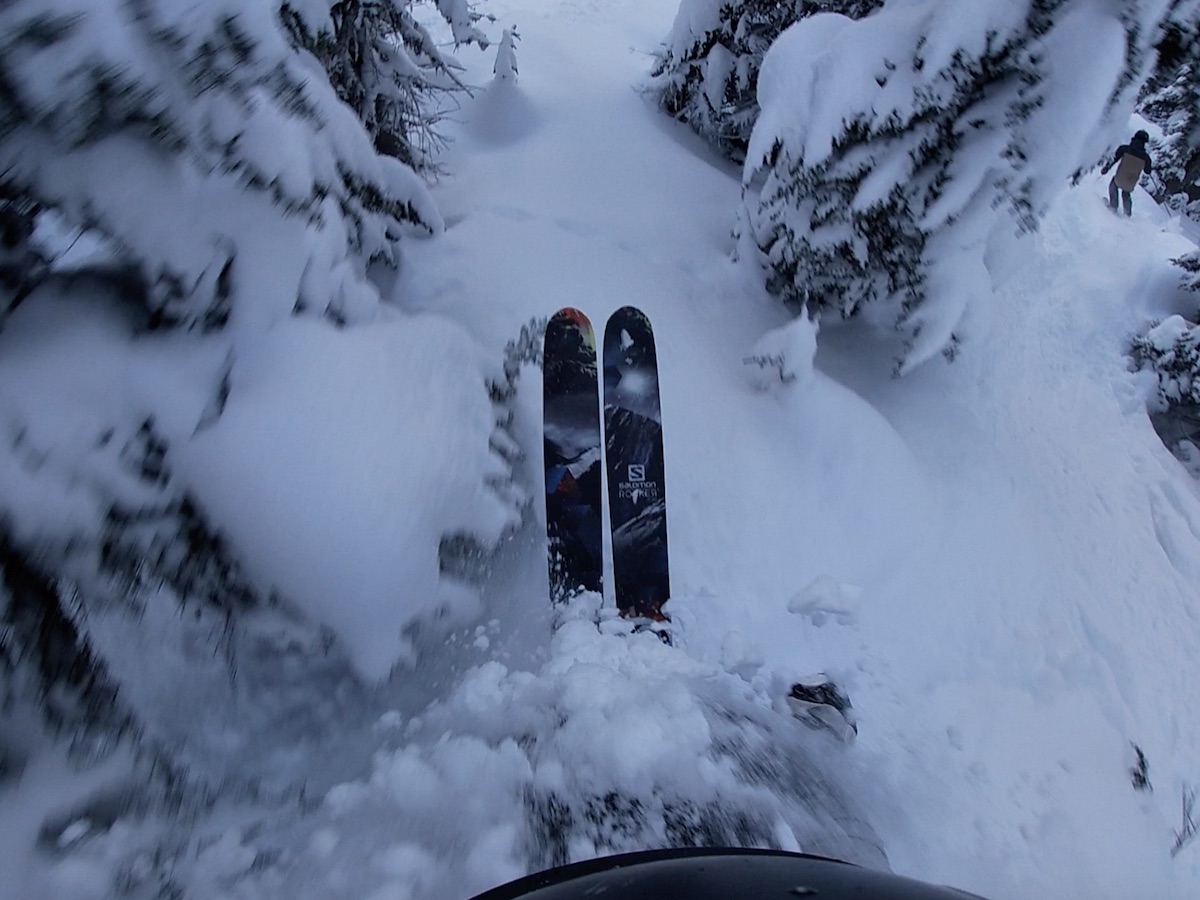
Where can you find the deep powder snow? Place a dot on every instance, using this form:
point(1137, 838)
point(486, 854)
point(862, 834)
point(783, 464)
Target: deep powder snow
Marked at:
point(997, 558)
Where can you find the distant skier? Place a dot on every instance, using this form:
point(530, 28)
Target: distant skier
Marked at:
point(1131, 161)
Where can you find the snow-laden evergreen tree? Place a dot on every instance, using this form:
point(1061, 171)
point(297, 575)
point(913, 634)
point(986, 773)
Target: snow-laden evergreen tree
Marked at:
point(1172, 101)
point(241, 168)
point(388, 68)
point(896, 156)
point(216, 108)
point(1171, 349)
point(707, 70)
point(505, 67)
point(1190, 263)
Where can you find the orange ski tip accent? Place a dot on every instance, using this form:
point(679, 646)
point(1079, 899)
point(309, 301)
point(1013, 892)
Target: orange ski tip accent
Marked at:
point(574, 315)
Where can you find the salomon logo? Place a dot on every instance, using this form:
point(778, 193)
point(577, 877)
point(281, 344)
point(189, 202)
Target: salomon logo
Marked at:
point(636, 486)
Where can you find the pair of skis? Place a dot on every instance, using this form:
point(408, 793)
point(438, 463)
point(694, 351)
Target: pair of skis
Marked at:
point(637, 500)
point(633, 450)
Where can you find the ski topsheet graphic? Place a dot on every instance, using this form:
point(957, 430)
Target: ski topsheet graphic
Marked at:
point(637, 499)
point(571, 439)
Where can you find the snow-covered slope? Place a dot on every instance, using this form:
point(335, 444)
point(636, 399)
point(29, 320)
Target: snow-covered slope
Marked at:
point(996, 557)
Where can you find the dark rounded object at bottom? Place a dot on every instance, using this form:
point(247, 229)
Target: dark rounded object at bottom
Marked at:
point(715, 874)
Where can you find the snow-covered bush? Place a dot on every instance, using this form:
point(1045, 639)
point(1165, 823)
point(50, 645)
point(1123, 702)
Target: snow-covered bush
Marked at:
point(707, 70)
point(897, 155)
point(1171, 349)
point(1190, 263)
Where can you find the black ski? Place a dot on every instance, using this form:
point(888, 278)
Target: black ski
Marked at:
point(637, 498)
point(571, 440)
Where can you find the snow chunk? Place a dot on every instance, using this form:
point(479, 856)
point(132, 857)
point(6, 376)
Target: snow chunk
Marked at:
point(827, 598)
point(1164, 336)
point(741, 656)
point(784, 355)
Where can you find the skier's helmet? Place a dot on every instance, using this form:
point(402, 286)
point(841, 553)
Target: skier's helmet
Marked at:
point(715, 874)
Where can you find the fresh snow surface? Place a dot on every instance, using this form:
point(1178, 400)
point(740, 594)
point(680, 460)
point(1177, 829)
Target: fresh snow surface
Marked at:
point(996, 558)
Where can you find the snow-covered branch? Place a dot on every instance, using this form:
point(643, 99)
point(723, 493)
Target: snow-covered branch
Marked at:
point(121, 114)
point(887, 145)
point(706, 73)
point(1188, 827)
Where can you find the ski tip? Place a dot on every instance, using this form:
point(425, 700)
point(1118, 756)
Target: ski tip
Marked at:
point(628, 314)
point(573, 315)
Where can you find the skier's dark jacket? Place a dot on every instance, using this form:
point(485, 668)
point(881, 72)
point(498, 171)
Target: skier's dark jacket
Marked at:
point(1128, 172)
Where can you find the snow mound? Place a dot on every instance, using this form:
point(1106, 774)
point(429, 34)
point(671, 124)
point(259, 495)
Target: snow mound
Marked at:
point(784, 355)
point(341, 460)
